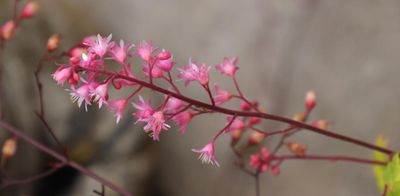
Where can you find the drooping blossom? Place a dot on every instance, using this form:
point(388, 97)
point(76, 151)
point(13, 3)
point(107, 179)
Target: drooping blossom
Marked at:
point(221, 96)
point(192, 72)
point(156, 72)
point(144, 109)
point(144, 50)
point(173, 104)
point(165, 61)
point(82, 94)
point(101, 45)
point(207, 154)
point(182, 120)
point(62, 74)
point(100, 94)
point(120, 52)
point(261, 161)
point(228, 67)
point(155, 124)
point(118, 106)
point(236, 124)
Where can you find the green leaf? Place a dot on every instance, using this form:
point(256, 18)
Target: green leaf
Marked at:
point(379, 156)
point(391, 175)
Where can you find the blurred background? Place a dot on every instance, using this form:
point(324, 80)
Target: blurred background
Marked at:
point(347, 51)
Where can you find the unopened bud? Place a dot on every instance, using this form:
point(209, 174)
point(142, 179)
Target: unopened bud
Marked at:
point(300, 117)
point(321, 124)
point(275, 170)
point(236, 135)
point(9, 148)
point(164, 55)
point(256, 138)
point(53, 42)
point(244, 106)
point(7, 30)
point(254, 120)
point(29, 10)
point(296, 148)
point(310, 100)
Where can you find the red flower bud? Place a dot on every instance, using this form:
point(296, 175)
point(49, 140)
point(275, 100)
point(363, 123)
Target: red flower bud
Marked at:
point(53, 42)
point(310, 100)
point(29, 10)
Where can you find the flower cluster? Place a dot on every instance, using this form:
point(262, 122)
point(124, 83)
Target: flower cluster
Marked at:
point(89, 82)
point(262, 162)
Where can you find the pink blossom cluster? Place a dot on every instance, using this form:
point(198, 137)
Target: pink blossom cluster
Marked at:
point(262, 162)
point(87, 84)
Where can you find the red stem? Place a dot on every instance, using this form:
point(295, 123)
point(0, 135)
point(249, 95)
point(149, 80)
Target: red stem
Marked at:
point(246, 114)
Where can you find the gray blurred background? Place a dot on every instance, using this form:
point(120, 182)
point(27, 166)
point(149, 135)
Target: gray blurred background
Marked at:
point(345, 50)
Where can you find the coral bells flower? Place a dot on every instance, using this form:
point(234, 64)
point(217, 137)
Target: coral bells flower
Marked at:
point(173, 104)
point(7, 30)
point(156, 72)
point(126, 71)
point(261, 161)
point(53, 42)
point(310, 100)
point(118, 106)
point(144, 50)
point(182, 120)
point(120, 52)
point(207, 154)
point(62, 74)
point(192, 72)
point(155, 124)
point(221, 96)
point(82, 94)
point(100, 94)
point(144, 109)
point(228, 67)
point(164, 61)
point(101, 45)
point(29, 10)
point(236, 124)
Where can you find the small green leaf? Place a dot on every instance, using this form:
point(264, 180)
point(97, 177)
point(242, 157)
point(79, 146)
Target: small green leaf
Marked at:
point(378, 156)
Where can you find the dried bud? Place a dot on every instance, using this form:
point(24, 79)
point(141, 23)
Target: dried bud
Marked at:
point(29, 10)
point(7, 30)
point(321, 124)
point(256, 138)
point(53, 42)
point(236, 135)
point(164, 55)
point(296, 148)
point(310, 100)
point(300, 117)
point(9, 148)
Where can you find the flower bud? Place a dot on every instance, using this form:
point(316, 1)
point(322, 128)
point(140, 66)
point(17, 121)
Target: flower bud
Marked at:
point(7, 30)
point(244, 106)
point(256, 138)
point(321, 124)
point(236, 135)
point(164, 55)
point(53, 42)
point(29, 10)
point(296, 148)
point(300, 117)
point(254, 120)
point(275, 170)
point(310, 100)
point(9, 148)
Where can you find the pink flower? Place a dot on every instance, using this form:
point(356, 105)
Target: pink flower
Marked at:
point(261, 161)
point(207, 154)
point(29, 10)
point(101, 45)
point(155, 124)
point(221, 96)
point(145, 50)
point(235, 125)
point(173, 104)
point(228, 67)
point(82, 94)
point(126, 71)
point(118, 106)
point(192, 72)
point(164, 61)
point(7, 30)
point(100, 94)
point(62, 74)
point(144, 109)
point(119, 52)
point(182, 120)
point(156, 72)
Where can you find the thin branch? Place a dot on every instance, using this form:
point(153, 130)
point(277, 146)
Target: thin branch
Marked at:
point(330, 158)
point(246, 114)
